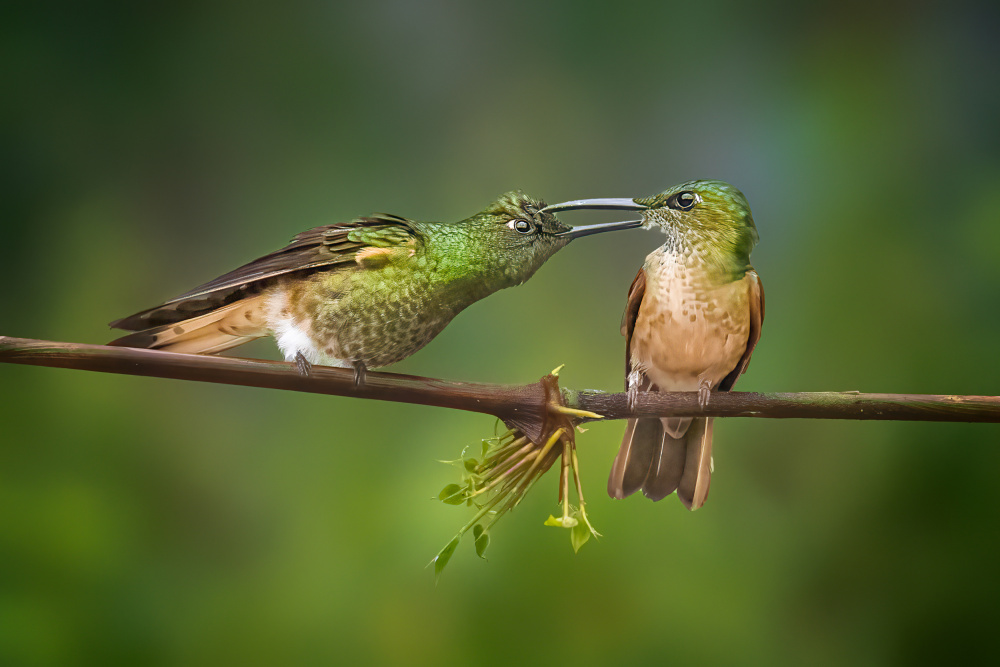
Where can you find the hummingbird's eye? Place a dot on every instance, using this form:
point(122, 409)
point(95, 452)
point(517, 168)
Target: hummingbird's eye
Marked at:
point(684, 201)
point(520, 226)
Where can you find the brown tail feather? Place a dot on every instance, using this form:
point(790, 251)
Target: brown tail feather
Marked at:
point(668, 460)
point(693, 487)
point(628, 472)
point(652, 459)
point(213, 332)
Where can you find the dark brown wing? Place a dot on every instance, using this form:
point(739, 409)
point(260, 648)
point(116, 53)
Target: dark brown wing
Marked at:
point(756, 298)
point(317, 248)
point(635, 294)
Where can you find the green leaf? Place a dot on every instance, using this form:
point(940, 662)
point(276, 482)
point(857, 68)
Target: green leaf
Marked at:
point(445, 555)
point(579, 535)
point(453, 494)
point(471, 464)
point(482, 540)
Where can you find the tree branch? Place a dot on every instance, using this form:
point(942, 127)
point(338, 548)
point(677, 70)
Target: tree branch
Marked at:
point(526, 407)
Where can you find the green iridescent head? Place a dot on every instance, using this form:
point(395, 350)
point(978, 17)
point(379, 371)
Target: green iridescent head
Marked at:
point(506, 242)
point(514, 237)
point(533, 221)
point(713, 208)
point(518, 221)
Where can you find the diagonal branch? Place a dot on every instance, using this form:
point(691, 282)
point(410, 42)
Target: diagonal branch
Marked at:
point(526, 407)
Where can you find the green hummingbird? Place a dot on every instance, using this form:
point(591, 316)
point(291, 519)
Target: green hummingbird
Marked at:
point(692, 320)
point(361, 294)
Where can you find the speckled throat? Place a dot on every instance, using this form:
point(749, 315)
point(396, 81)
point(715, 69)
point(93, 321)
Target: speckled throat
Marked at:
point(714, 250)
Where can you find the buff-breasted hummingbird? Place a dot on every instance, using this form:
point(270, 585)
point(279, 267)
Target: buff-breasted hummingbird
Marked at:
point(692, 320)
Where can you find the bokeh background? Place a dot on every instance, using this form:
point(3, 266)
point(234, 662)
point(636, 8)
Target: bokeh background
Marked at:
point(144, 151)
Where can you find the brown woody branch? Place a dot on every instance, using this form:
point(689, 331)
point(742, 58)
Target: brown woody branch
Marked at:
point(526, 407)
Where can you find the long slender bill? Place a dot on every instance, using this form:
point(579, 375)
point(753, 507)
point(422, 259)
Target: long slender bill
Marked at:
point(587, 230)
point(616, 204)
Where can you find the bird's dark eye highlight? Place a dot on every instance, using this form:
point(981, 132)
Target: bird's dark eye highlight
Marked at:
point(684, 201)
point(521, 226)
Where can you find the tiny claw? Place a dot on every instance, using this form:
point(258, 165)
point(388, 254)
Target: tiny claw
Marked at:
point(632, 384)
point(302, 365)
point(359, 373)
point(704, 393)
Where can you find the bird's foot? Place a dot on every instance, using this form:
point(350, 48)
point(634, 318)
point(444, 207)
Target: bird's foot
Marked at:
point(359, 373)
point(632, 392)
point(704, 392)
point(302, 365)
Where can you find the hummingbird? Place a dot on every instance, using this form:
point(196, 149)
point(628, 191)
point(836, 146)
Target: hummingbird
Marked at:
point(361, 294)
point(691, 322)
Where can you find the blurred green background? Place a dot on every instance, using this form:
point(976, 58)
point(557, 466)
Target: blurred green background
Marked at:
point(144, 151)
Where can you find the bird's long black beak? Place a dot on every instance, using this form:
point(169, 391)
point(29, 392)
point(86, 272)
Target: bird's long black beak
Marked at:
point(615, 204)
point(587, 230)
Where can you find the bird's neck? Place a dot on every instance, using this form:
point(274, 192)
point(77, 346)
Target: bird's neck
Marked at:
point(707, 250)
point(460, 265)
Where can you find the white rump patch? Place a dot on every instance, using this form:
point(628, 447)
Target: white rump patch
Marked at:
point(292, 341)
